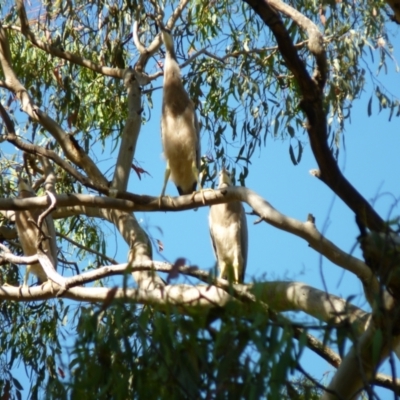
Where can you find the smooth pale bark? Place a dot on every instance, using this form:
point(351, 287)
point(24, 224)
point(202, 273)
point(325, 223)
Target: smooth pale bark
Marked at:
point(360, 364)
point(130, 133)
point(87, 204)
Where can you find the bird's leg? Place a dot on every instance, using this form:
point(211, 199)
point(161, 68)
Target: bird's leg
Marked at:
point(25, 282)
point(236, 272)
point(197, 175)
point(43, 284)
point(236, 266)
point(26, 277)
point(222, 270)
point(166, 177)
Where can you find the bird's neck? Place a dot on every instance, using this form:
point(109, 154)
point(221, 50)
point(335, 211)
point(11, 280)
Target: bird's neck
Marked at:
point(170, 53)
point(171, 69)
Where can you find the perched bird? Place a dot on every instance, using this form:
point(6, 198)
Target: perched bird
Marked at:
point(180, 130)
point(28, 234)
point(228, 230)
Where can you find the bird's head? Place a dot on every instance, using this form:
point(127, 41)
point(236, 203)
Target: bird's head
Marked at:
point(224, 178)
point(167, 39)
point(24, 188)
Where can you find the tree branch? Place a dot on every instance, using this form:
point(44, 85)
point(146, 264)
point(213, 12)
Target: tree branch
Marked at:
point(360, 364)
point(87, 249)
point(315, 42)
point(184, 295)
point(395, 6)
point(56, 51)
point(8, 256)
point(261, 207)
point(146, 53)
point(130, 133)
point(298, 296)
point(70, 147)
point(312, 105)
point(279, 296)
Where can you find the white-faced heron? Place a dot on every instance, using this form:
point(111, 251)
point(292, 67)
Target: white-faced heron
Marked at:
point(228, 230)
point(180, 130)
point(25, 221)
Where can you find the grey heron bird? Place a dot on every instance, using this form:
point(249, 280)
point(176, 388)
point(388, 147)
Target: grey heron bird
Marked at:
point(229, 236)
point(180, 130)
point(28, 233)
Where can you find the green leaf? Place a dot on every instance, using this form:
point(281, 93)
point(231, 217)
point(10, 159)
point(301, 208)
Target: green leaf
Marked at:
point(377, 345)
point(369, 109)
point(300, 152)
point(292, 156)
point(17, 384)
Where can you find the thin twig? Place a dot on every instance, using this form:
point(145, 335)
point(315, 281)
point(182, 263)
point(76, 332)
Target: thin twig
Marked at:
point(88, 249)
point(46, 212)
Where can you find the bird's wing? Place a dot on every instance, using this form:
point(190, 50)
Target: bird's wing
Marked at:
point(198, 144)
point(50, 244)
point(210, 225)
point(244, 237)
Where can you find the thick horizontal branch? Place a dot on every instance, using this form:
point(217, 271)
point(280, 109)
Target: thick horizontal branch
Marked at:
point(297, 296)
point(6, 256)
point(206, 297)
point(261, 207)
point(184, 295)
point(279, 296)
